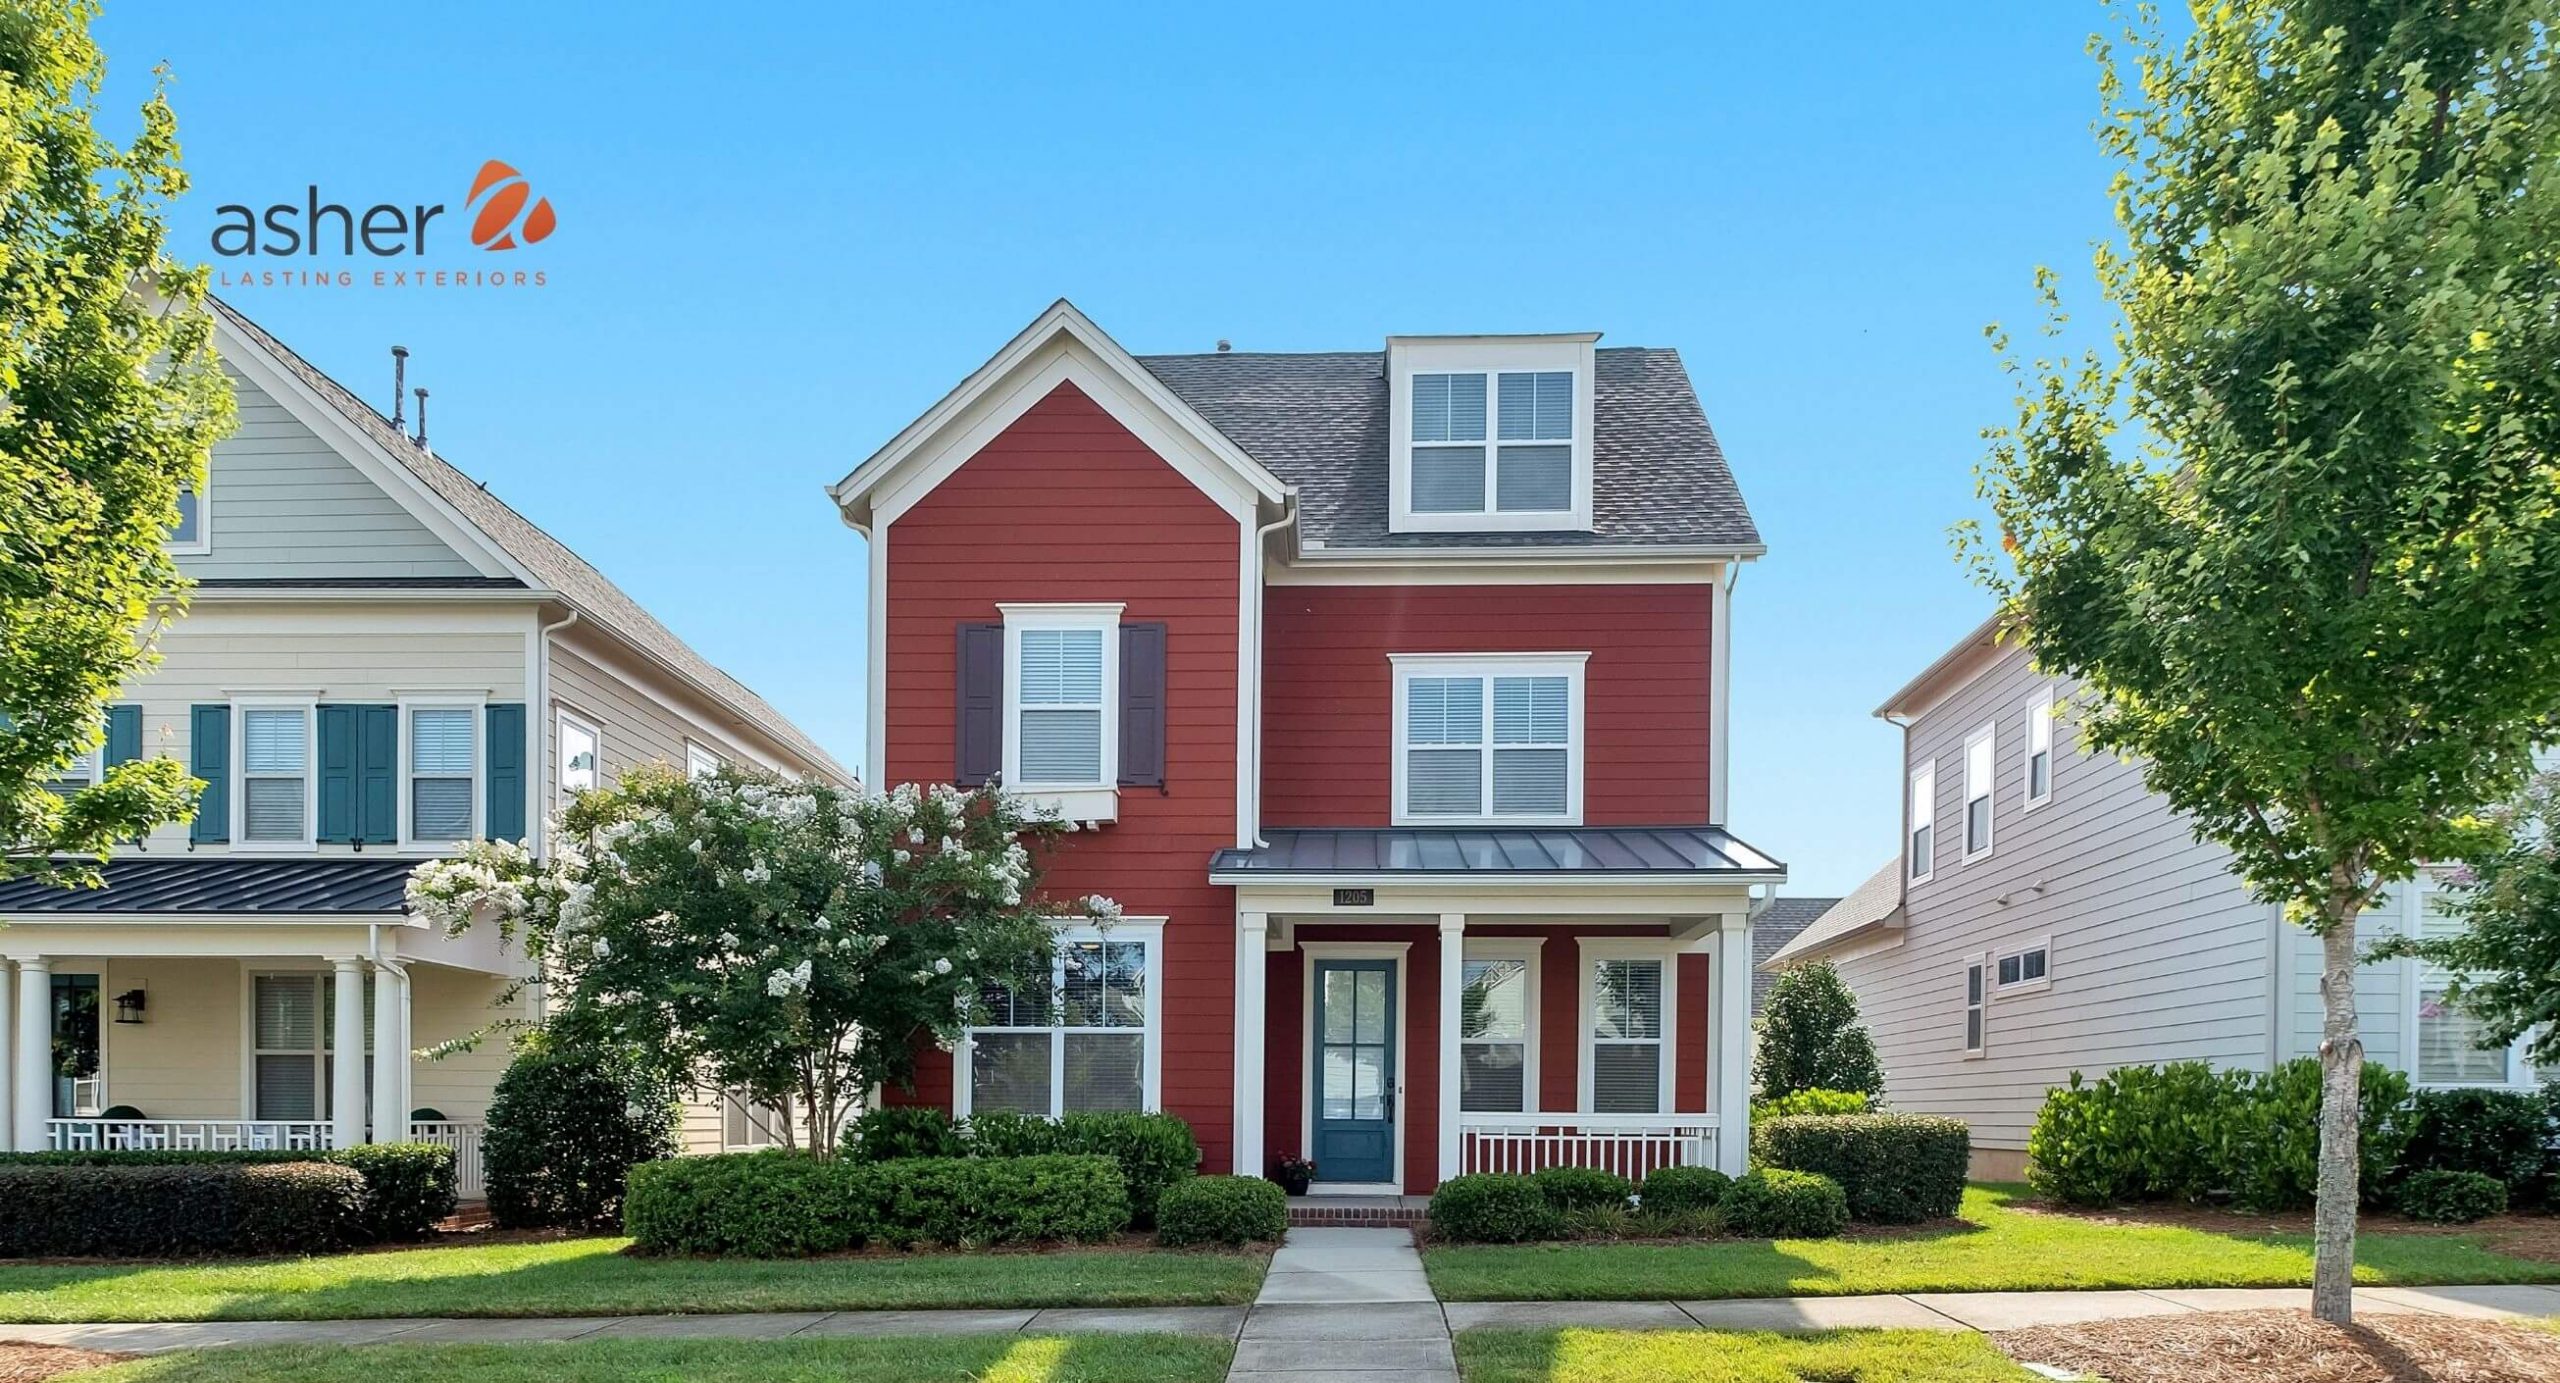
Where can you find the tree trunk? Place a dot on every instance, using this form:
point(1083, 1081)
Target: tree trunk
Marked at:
point(2341, 1082)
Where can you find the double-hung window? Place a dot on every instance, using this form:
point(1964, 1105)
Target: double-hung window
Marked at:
point(580, 748)
point(443, 771)
point(1083, 1035)
point(275, 775)
point(700, 762)
point(1977, 793)
point(189, 536)
point(1626, 1007)
point(293, 1027)
point(1491, 436)
point(1924, 822)
point(1497, 1027)
point(2448, 1035)
point(1062, 685)
point(2040, 749)
point(1976, 993)
point(1482, 739)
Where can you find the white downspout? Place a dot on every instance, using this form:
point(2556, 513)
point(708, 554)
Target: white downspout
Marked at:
point(1261, 635)
point(538, 823)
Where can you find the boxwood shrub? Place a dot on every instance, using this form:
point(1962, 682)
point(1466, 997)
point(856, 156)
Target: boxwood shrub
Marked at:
point(1774, 1203)
point(905, 1130)
point(566, 1126)
point(2186, 1131)
point(1492, 1208)
point(1154, 1151)
point(1895, 1169)
point(172, 1210)
point(407, 1186)
point(2453, 1198)
point(1583, 1188)
point(1221, 1210)
point(1682, 1190)
point(783, 1205)
point(2503, 1134)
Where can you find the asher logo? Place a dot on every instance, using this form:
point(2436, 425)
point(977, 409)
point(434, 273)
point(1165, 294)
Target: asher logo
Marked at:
point(504, 219)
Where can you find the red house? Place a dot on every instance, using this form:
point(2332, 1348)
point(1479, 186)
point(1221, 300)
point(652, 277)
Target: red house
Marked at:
point(1389, 689)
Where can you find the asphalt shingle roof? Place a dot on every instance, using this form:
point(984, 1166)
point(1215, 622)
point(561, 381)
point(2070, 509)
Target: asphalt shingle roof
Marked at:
point(1777, 925)
point(1498, 850)
point(1875, 903)
point(1319, 422)
point(223, 886)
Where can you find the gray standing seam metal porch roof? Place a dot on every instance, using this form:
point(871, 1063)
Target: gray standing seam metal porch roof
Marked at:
point(1497, 850)
point(224, 888)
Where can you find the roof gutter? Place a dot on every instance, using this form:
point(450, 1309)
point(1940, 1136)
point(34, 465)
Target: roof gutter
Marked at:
point(1620, 552)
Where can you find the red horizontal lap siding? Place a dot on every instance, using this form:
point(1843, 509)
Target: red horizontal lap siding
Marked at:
point(1328, 690)
point(1066, 505)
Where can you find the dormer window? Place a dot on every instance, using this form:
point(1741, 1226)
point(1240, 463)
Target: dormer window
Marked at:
point(1493, 433)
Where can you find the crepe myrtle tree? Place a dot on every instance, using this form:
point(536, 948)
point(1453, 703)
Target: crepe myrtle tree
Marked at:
point(2298, 532)
point(785, 938)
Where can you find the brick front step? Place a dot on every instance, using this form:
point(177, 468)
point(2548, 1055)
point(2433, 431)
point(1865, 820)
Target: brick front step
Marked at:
point(1363, 1211)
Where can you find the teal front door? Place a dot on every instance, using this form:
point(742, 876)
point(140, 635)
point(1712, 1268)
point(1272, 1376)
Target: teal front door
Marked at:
point(1355, 1070)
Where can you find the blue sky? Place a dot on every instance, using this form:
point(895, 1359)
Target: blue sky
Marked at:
point(782, 237)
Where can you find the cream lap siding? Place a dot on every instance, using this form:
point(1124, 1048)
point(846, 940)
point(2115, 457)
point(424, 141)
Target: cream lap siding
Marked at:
point(444, 1005)
point(638, 720)
point(183, 1060)
point(285, 504)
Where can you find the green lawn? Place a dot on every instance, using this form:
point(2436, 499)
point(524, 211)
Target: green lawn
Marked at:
point(906, 1359)
point(1705, 1356)
point(1997, 1249)
point(589, 1277)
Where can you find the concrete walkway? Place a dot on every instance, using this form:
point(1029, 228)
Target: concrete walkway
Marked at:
point(1345, 1306)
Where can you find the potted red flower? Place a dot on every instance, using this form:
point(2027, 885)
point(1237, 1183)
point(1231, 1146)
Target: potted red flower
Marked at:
point(1293, 1173)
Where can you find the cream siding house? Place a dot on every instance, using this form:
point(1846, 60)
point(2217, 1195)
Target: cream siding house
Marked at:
point(2047, 914)
point(381, 661)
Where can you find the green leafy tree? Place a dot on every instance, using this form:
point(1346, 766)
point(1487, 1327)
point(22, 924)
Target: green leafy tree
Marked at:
point(2298, 531)
point(2506, 957)
point(1811, 1039)
point(781, 937)
point(110, 403)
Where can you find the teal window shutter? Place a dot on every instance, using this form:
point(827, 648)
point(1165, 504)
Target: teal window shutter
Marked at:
point(338, 773)
point(210, 760)
point(124, 734)
point(507, 759)
point(378, 774)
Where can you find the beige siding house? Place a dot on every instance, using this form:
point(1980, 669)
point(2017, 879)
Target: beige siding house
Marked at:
point(381, 662)
point(2047, 914)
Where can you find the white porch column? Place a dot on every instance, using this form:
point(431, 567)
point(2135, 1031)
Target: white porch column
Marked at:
point(1731, 1013)
point(1453, 984)
point(390, 1055)
point(346, 1045)
point(32, 1090)
point(1253, 964)
point(8, 1065)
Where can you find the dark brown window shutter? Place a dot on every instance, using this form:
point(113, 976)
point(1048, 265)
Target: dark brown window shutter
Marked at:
point(1142, 705)
point(977, 740)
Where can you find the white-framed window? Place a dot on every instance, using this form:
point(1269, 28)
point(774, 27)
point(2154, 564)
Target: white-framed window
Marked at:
point(1922, 839)
point(83, 773)
point(1628, 1001)
point(1085, 1036)
point(746, 1125)
point(1061, 697)
point(2448, 1036)
point(2040, 749)
point(440, 771)
point(581, 749)
point(192, 535)
point(1488, 738)
point(276, 787)
point(1977, 991)
point(292, 1030)
point(1490, 434)
point(700, 762)
point(2027, 968)
point(1978, 758)
point(1498, 1027)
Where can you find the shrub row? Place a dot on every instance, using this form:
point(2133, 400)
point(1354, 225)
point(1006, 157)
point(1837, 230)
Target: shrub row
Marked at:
point(1811, 1102)
point(407, 1186)
point(2189, 1131)
point(782, 1205)
point(1221, 1210)
point(1895, 1169)
point(1772, 1203)
point(1153, 1151)
point(174, 1210)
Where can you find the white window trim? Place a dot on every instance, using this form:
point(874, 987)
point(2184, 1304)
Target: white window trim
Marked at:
point(1979, 1011)
point(563, 719)
point(2521, 1073)
point(478, 708)
point(2039, 726)
point(1309, 952)
point(1488, 666)
point(240, 709)
point(1989, 796)
point(1149, 930)
point(779, 1118)
point(2019, 951)
point(1096, 801)
point(1491, 359)
point(1527, 950)
point(701, 760)
point(203, 543)
point(323, 981)
point(1923, 811)
point(1597, 949)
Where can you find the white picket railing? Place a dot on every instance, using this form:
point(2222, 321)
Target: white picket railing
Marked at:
point(470, 1182)
point(187, 1135)
point(1627, 1144)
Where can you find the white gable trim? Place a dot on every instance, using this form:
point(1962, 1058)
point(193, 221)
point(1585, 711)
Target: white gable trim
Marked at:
point(388, 473)
point(1061, 346)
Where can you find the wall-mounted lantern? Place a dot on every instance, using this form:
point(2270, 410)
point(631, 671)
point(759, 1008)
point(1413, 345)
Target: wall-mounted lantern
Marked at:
point(129, 1006)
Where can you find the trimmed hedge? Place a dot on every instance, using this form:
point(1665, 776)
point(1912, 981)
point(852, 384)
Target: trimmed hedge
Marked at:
point(1492, 1208)
point(173, 1210)
point(1682, 1190)
point(2502, 1134)
point(2187, 1131)
point(784, 1205)
point(1583, 1188)
point(1774, 1203)
point(408, 1186)
point(1895, 1169)
point(2452, 1198)
point(905, 1130)
point(1797, 1102)
point(1221, 1210)
point(1154, 1151)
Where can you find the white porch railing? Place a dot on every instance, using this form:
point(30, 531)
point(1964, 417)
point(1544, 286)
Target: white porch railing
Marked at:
point(470, 1182)
point(1627, 1144)
point(187, 1135)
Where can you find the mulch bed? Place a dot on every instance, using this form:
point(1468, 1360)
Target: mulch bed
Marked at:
point(36, 1363)
point(2291, 1347)
point(2535, 1237)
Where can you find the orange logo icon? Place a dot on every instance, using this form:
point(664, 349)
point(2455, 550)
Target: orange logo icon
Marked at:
point(510, 214)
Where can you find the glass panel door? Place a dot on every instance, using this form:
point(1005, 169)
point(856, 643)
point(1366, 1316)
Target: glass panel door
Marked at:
point(1355, 1070)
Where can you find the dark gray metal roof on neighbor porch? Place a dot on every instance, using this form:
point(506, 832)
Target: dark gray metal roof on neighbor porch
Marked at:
point(1497, 850)
point(224, 888)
